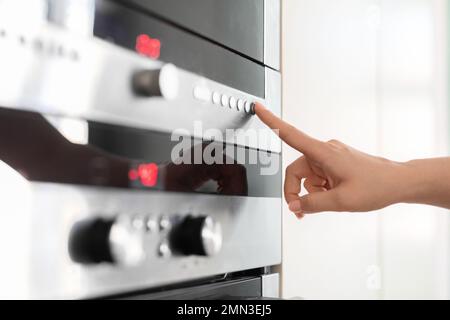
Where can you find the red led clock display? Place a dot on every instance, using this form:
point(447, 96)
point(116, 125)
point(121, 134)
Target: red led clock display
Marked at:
point(146, 174)
point(147, 46)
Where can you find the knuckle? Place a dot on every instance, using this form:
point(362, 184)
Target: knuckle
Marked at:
point(335, 144)
point(338, 145)
point(334, 141)
point(289, 169)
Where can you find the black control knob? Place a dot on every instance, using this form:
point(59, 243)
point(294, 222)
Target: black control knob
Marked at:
point(162, 82)
point(200, 236)
point(100, 240)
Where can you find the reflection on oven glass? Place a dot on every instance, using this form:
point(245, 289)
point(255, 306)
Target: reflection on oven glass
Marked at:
point(230, 177)
point(39, 152)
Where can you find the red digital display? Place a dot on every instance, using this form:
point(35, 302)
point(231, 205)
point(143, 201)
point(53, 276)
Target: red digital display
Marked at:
point(146, 174)
point(133, 175)
point(147, 46)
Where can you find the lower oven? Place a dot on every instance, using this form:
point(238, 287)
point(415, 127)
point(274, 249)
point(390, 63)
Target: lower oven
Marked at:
point(116, 215)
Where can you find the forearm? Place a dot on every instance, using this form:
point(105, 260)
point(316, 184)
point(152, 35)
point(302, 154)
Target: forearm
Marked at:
point(425, 181)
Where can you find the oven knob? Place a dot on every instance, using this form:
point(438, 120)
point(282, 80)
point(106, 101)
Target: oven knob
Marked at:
point(157, 83)
point(200, 236)
point(100, 240)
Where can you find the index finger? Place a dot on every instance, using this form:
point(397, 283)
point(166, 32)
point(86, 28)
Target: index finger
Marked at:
point(289, 134)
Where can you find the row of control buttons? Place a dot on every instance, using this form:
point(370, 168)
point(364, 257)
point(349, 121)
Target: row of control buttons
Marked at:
point(43, 46)
point(232, 103)
point(117, 240)
point(190, 235)
point(204, 94)
point(121, 240)
point(151, 224)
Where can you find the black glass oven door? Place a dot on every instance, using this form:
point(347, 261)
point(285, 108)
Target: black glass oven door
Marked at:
point(235, 24)
point(124, 157)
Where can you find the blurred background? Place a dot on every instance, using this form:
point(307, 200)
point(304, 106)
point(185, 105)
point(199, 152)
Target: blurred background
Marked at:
point(373, 74)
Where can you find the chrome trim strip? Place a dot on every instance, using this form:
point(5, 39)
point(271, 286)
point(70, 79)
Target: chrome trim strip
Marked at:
point(272, 33)
point(271, 285)
point(273, 103)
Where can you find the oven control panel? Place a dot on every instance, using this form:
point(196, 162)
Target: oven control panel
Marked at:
point(49, 71)
point(127, 240)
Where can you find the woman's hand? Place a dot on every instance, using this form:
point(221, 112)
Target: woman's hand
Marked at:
point(336, 176)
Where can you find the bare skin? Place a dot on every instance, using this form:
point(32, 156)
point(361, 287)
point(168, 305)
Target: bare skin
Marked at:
point(341, 179)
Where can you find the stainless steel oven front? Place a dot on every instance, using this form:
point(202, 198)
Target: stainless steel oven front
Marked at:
point(107, 112)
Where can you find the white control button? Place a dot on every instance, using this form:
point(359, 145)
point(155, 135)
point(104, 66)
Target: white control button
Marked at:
point(225, 100)
point(240, 104)
point(252, 108)
point(151, 225)
point(248, 107)
point(169, 82)
point(164, 223)
point(202, 93)
point(216, 98)
point(233, 103)
point(164, 250)
point(138, 222)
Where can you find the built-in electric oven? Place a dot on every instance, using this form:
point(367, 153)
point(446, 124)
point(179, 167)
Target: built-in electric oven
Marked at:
point(131, 162)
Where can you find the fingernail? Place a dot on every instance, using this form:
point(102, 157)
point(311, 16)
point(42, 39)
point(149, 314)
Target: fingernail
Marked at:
point(299, 215)
point(295, 206)
point(254, 106)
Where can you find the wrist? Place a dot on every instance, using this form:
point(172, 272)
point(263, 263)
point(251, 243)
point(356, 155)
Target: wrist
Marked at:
point(413, 182)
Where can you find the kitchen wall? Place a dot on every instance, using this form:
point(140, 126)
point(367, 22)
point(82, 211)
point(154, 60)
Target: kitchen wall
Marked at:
point(373, 74)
